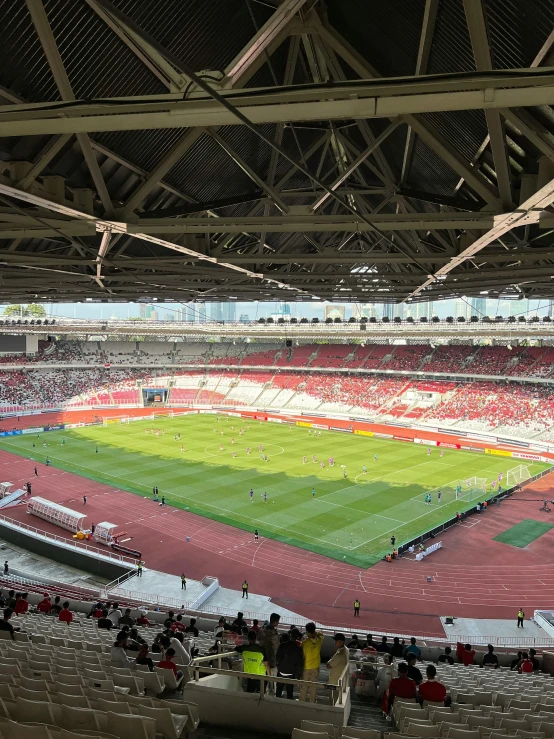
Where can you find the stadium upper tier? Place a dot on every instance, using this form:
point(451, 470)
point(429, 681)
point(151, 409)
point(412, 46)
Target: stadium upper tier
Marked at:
point(388, 382)
point(451, 359)
point(302, 329)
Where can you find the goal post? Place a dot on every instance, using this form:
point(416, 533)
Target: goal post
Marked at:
point(468, 489)
point(517, 475)
point(109, 420)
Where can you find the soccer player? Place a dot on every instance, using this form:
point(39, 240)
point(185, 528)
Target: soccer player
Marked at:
point(344, 473)
point(233, 454)
point(233, 440)
point(248, 450)
point(375, 457)
point(364, 470)
point(265, 497)
point(313, 458)
point(319, 433)
point(313, 493)
point(439, 496)
point(182, 448)
point(261, 448)
point(309, 432)
point(251, 495)
point(442, 452)
point(500, 477)
point(428, 450)
point(304, 459)
point(221, 447)
point(331, 461)
point(97, 450)
point(322, 465)
point(221, 432)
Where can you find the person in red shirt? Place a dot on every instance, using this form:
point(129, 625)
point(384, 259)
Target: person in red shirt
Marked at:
point(525, 666)
point(401, 686)
point(465, 653)
point(431, 689)
point(168, 663)
point(21, 604)
point(44, 606)
point(255, 625)
point(65, 613)
point(178, 624)
point(142, 620)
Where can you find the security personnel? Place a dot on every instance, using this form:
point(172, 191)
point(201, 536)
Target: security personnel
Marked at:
point(356, 607)
point(520, 617)
point(254, 662)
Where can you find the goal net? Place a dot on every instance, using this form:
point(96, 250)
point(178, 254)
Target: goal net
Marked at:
point(115, 419)
point(517, 475)
point(468, 489)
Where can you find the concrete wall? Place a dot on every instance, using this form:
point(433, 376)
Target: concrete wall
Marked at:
point(71, 557)
point(222, 702)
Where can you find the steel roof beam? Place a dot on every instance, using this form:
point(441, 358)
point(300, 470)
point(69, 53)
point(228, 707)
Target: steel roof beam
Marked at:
point(475, 17)
point(155, 62)
point(427, 133)
point(237, 73)
point(46, 37)
point(269, 191)
point(534, 205)
point(542, 56)
point(27, 227)
point(116, 227)
point(276, 107)
point(425, 42)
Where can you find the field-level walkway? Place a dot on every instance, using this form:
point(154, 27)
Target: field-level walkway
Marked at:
point(473, 576)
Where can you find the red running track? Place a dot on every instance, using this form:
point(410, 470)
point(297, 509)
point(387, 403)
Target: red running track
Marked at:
point(473, 576)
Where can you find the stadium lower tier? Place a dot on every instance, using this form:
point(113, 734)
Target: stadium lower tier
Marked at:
point(510, 408)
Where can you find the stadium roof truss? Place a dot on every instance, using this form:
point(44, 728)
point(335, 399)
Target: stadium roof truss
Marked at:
point(256, 149)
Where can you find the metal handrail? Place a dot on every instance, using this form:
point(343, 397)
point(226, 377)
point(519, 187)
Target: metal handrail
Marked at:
point(341, 687)
point(11, 523)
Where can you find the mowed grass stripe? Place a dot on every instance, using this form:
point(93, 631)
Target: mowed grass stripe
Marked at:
point(524, 532)
point(346, 520)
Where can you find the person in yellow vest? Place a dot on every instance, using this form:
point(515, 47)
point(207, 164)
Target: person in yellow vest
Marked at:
point(356, 607)
point(139, 568)
point(254, 662)
point(520, 617)
point(311, 647)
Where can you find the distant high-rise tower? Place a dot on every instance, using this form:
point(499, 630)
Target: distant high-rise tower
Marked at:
point(229, 311)
point(145, 311)
point(479, 307)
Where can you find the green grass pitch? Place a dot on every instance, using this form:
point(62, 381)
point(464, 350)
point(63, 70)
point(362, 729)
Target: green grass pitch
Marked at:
point(350, 519)
point(523, 533)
